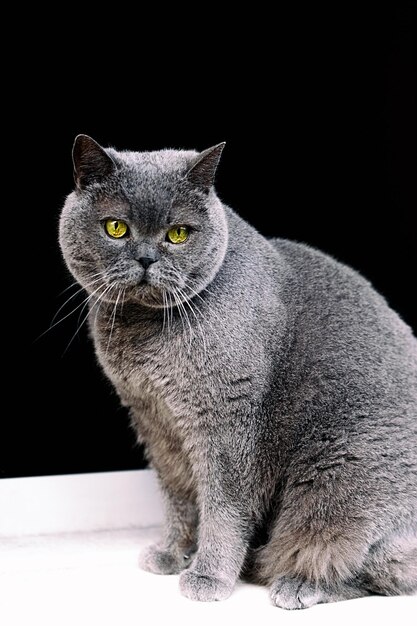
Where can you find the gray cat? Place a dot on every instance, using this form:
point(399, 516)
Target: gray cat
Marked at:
point(274, 390)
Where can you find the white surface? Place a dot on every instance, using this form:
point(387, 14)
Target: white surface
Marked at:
point(90, 579)
point(78, 502)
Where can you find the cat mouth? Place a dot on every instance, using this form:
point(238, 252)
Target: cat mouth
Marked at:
point(144, 292)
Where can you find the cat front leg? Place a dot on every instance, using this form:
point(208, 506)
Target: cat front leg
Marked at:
point(177, 548)
point(222, 547)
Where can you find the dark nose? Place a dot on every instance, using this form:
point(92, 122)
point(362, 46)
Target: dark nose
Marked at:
point(146, 261)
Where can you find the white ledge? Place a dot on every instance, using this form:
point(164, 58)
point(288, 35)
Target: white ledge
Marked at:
point(79, 502)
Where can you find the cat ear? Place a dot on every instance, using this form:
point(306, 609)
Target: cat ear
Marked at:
point(91, 161)
point(204, 169)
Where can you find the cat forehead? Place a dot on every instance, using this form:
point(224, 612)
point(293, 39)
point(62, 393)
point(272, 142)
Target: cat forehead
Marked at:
point(149, 180)
point(154, 167)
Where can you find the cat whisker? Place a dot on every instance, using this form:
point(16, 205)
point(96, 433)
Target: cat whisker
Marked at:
point(74, 284)
point(77, 284)
point(100, 301)
point(68, 314)
point(97, 304)
point(51, 324)
point(97, 278)
point(123, 300)
point(184, 301)
point(113, 318)
point(80, 325)
point(193, 309)
point(195, 294)
point(179, 311)
point(188, 296)
point(165, 305)
point(184, 316)
point(170, 313)
point(190, 293)
point(81, 312)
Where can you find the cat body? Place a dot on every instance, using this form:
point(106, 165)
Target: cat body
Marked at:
point(274, 390)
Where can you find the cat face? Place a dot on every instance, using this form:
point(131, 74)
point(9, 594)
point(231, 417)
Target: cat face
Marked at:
point(143, 226)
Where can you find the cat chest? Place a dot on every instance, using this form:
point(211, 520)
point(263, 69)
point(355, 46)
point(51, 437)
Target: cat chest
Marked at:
point(164, 390)
point(162, 403)
point(165, 410)
point(177, 387)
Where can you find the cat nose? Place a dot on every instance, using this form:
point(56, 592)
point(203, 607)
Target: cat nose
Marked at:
point(146, 261)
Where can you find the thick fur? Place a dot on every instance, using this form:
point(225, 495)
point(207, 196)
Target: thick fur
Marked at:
point(274, 390)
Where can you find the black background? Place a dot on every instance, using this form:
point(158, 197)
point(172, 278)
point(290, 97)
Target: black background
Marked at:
point(319, 116)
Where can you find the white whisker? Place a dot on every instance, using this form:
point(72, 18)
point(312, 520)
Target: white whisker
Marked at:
point(68, 314)
point(51, 324)
point(78, 291)
point(203, 301)
point(123, 300)
point(80, 325)
point(164, 303)
point(113, 319)
point(183, 314)
point(74, 284)
point(170, 313)
point(99, 303)
point(193, 308)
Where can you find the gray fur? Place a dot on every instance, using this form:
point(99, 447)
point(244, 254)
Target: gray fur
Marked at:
point(274, 390)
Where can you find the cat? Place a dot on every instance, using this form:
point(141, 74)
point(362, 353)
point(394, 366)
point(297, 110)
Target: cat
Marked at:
point(273, 388)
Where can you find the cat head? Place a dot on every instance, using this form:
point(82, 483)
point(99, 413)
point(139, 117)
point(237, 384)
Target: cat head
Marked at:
point(143, 226)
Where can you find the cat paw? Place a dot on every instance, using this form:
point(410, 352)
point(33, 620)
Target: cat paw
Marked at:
point(158, 561)
point(203, 588)
point(294, 593)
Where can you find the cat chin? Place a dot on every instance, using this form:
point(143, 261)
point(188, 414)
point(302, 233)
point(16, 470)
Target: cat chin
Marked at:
point(153, 298)
point(150, 297)
point(152, 301)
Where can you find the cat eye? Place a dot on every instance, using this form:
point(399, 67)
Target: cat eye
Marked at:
point(178, 234)
point(116, 228)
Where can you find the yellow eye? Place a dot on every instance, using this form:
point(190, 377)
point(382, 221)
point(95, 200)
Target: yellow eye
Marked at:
point(116, 228)
point(178, 234)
